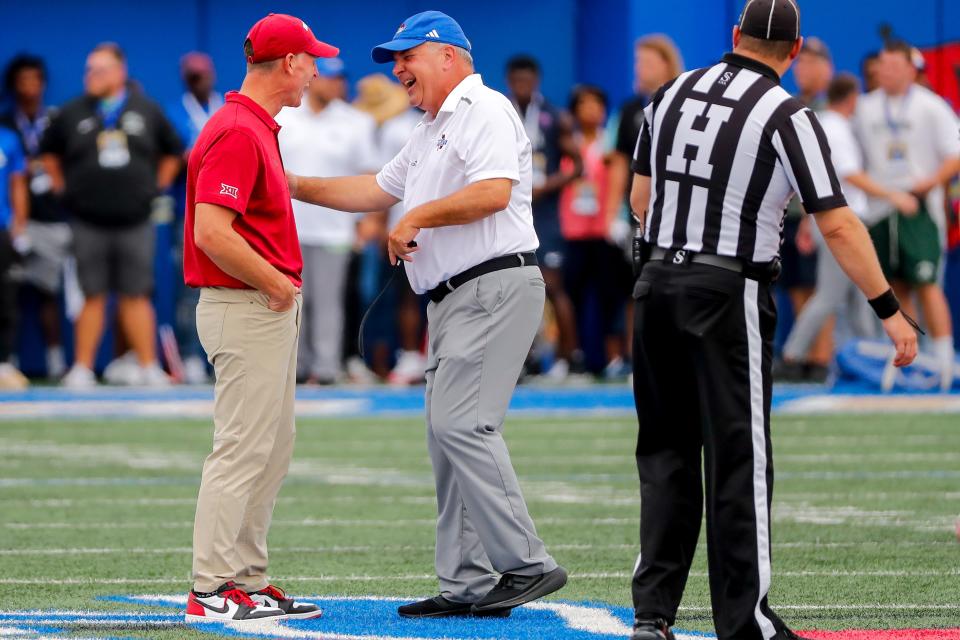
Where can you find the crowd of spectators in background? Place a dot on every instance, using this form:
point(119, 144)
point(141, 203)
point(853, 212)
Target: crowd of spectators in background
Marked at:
point(85, 186)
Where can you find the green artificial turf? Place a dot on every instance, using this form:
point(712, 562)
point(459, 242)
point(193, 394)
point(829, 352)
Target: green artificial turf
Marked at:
point(863, 514)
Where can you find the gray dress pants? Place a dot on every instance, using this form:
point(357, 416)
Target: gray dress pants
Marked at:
point(324, 283)
point(479, 336)
point(835, 294)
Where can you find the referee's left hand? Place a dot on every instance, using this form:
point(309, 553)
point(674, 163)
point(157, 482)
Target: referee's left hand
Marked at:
point(904, 338)
point(400, 242)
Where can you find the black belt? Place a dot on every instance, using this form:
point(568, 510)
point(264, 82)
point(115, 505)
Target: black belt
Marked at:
point(761, 271)
point(445, 288)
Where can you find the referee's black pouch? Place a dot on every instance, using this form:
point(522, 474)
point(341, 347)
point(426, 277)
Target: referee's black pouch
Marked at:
point(640, 252)
point(641, 289)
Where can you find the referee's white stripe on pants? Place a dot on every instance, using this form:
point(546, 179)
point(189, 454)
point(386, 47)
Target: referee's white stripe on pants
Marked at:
point(751, 312)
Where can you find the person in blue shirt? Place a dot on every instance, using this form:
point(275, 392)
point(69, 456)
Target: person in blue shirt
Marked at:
point(188, 114)
point(191, 111)
point(14, 206)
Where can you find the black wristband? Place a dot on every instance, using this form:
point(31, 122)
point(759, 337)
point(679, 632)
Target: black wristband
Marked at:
point(885, 305)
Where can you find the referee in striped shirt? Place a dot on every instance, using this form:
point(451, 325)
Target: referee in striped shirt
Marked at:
point(721, 151)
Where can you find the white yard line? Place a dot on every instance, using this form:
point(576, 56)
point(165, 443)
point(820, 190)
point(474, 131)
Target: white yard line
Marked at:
point(848, 607)
point(612, 575)
point(580, 495)
point(831, 516)
point(799, 574)
point(832, 494)
point(337, 549)
point(308, 522)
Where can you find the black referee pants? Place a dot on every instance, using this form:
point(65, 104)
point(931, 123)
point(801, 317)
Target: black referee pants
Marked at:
point(703, 343)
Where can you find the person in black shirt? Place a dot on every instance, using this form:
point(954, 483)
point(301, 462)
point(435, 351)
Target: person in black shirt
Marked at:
point(656, 62)
point(720, 151)
point(47, 233)
point(110, 153)
point(551, 138)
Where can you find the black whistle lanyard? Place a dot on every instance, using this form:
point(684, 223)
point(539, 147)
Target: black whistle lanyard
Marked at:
point(397, 268)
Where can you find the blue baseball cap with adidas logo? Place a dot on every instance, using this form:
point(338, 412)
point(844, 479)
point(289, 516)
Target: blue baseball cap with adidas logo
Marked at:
point(428, 26)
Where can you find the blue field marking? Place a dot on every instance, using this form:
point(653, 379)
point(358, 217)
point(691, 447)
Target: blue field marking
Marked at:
point(373, 617)
point(586, 400)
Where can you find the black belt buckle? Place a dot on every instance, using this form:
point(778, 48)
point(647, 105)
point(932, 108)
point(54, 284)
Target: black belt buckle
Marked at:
point(679, 257)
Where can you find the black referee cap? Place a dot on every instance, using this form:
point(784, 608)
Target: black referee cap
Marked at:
point(771, 19)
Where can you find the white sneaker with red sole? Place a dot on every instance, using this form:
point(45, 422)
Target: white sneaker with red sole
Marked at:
point(228, 604)
point(276, 597)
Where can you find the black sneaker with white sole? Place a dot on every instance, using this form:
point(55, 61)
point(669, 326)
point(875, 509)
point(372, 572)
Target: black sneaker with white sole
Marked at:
point(440, 607)
point(275, 597)
point(229, 603)
point(514, 590)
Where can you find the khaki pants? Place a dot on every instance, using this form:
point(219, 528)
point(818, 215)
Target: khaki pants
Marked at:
point(254, 354)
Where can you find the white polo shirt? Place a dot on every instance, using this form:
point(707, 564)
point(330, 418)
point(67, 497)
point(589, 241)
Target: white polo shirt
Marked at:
point(394, 134)
point(337, 141)
point(846, 156)
point(906, 139)
point(476, 136)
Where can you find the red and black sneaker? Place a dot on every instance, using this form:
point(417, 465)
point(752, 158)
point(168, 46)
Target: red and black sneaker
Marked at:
point(228, 604)
point(275, 597)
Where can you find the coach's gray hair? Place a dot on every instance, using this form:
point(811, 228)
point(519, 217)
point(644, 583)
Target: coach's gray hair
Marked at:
point(465, 55)
point(462, 53)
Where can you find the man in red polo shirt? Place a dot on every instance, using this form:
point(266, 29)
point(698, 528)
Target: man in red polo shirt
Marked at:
point(241, 249)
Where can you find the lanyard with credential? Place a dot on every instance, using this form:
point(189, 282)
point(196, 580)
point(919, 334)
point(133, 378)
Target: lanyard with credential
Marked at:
point(195, 111)
point(110, 113)
point(893, 124)
point(31, 131)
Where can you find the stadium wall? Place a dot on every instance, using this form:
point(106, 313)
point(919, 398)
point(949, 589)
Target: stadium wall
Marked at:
point(575, 40)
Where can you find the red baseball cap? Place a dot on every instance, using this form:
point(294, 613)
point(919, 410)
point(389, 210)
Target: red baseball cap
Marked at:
point(279, 34)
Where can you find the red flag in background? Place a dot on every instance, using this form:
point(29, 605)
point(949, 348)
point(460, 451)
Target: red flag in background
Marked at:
point(943, 71)
point(943, 74)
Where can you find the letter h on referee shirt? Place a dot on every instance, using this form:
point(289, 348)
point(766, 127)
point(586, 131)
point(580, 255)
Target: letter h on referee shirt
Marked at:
point(704, 140)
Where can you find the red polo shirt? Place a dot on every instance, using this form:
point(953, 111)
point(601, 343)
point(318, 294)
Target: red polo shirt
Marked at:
point(236, 164)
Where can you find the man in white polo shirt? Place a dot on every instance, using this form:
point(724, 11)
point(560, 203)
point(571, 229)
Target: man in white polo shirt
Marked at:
point(835, 292)
point(467, 240)
point(325, 136)
point(911, 142)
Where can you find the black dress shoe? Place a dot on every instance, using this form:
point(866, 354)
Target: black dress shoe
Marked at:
point(513, 590)
point(651, 629)
point(440, 607)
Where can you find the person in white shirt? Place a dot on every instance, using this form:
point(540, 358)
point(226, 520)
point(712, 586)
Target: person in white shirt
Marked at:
point(387, 102)
point(911, 141)
point(325, 136)
point(411, 361)
point(835, 292)
point(467, 240)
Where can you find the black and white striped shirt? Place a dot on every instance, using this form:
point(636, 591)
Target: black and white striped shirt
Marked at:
point(726, 147)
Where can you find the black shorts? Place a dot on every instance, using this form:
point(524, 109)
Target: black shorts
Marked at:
point(115, 260)
point(552, 252)
point(798, 270)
